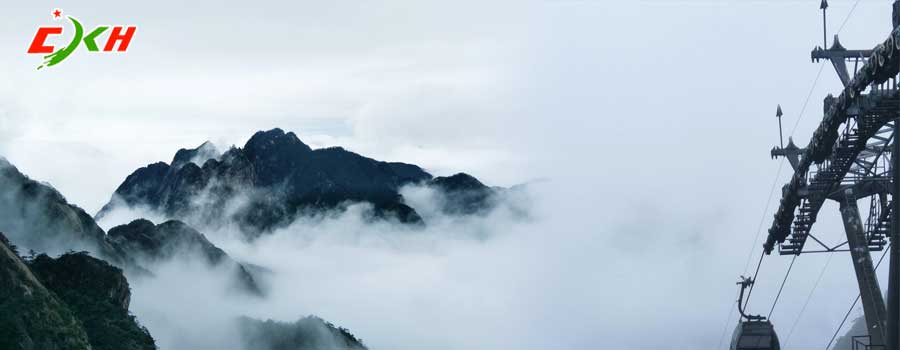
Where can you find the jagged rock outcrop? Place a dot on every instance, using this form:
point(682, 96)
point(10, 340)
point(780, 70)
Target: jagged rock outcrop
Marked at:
point(37, 217)
point(275, 178)
point(72, 302)
point(150, 243)
point(308, 333)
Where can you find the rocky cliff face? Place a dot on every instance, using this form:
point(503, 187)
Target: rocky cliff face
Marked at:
point(275, 178)
point(99, 295)
point(73, 302)
point(151, 243)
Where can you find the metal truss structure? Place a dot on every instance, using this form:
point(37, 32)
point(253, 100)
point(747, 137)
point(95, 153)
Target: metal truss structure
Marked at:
point(851, 157)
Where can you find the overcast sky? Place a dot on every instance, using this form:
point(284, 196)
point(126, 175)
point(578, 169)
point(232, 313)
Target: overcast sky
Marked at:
point(654, 118)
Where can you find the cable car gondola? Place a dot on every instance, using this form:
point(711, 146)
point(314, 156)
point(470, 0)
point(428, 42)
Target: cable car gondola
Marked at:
point(756, 335)
point(754, 332)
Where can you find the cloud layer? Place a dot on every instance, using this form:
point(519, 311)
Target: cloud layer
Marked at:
point(653, 120)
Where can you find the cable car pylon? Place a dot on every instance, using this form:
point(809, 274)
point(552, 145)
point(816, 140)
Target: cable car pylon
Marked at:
point(850, 157)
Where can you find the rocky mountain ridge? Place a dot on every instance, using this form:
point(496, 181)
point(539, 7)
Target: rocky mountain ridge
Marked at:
point(37, 217)
point(275, 178)
point(77, 301)
point(176, 240)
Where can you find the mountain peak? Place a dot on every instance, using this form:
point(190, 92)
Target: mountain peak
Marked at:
point(458, 182)
point(464, 194)
point(199, 155)
point(275, 140)
point(276, 178)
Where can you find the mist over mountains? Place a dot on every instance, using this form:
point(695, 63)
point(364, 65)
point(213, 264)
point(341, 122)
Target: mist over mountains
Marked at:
point(172, 239)
point(267, 186)
point(37, 217)
point(276, 178)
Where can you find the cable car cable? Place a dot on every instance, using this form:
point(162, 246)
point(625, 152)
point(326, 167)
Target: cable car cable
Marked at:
point(782, 286)
point(821, 68)
point(768, 202)
point(848, 17)
point(838, 330)
point(833, 336)
point(753, 246)
point(727, 323)
point(808, 298)
point(763, 218)
point(750, 292)
point(812, 89)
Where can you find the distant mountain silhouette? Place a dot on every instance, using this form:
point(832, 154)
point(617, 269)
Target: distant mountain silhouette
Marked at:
point(308, 333)
point(145, 241)
point(276, 178)
point(464, 194)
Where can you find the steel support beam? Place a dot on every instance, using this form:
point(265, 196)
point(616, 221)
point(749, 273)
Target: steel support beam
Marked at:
point(869, 290)
point(882, 64)
point(893, 321)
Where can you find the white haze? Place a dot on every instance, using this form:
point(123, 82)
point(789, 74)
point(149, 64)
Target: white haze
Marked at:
point(501, 281)
point(652, 118)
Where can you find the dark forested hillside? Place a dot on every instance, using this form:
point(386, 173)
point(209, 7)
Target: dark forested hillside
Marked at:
point(99, 295)
point(73, 302)
point(172, 239)
point(308, 333)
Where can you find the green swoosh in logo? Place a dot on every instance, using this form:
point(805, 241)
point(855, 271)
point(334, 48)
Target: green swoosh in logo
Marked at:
point(61, 54)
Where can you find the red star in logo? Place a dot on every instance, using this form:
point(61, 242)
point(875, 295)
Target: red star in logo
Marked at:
point(57, 13)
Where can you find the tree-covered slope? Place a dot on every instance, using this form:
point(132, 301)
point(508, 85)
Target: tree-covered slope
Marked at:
point(99, 296)
point(32, 317)
point(308, 333)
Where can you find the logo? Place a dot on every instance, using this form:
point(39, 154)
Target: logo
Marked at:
point(117, 40)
